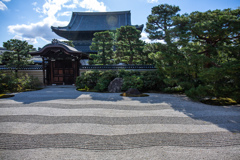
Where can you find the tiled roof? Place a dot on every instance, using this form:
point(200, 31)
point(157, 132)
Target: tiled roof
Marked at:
point(97, 21)
point(85, 49)
point(58, 44)
point(30, 67)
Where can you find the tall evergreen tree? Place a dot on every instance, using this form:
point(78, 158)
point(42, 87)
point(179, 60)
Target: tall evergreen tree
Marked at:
point(102, 43)
point(166, 56)
point(18, 55)
point(129, 45)
point(160, 22)
point(212, 33)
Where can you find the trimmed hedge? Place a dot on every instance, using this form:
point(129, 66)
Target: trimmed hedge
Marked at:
point(99, 80)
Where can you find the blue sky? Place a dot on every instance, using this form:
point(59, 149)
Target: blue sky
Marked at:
point(30, 20)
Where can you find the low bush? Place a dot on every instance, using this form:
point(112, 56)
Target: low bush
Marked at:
point(99, 80)
point(133, 81)
point(104, 80)
point(152, 81)
point(219, 101)
point(176, 89)
point(11, 83)
point(88, 78)
point(200, 92)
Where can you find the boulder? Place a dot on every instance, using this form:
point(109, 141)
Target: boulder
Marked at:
point(133, 91)
point(115, 86)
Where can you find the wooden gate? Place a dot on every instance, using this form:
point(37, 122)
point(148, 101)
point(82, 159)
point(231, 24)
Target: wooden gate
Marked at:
point(63, 72)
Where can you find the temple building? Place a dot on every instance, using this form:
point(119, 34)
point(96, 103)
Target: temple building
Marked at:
point(60, 63)
point(83, 25)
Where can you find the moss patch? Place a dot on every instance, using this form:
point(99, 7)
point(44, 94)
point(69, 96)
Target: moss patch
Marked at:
point(6, 95)
point(134, 95)
point(86, 90)
point(36, 89)
point(220, 101)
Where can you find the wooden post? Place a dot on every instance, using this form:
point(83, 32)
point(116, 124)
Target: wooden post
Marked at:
point(43, 65)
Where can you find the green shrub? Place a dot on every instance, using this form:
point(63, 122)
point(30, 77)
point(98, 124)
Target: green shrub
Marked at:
point(152, 80)
point(89, 79)
point(225, 80)
point(28, 82)
point(177, 89)
point(105, 78)
point(11, 83)
point(220, 101)
point(124, 73)
point(143, 81)
point(132, 82)
point(200, 92)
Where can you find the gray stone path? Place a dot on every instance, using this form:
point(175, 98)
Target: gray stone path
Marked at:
point(61, 123)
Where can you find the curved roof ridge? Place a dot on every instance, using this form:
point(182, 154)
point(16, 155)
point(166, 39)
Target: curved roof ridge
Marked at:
point(56, 43)
point(99, 13)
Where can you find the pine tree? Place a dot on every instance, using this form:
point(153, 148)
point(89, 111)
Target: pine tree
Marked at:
point(18, 55)
point(129, 45)
point(160, 22)
point(102, 43)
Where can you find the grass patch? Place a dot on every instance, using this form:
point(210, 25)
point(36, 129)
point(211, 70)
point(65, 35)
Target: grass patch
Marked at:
point(6, 95)
point(220, 101)
point(134, 95)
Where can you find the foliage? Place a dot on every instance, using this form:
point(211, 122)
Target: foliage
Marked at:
point(214, 34)
point(99, 80)
point(6, 95)
point(103, 43)
point(152, 81)
point(18, 55)
point(104, 80)
point(160, 22)
point(129, 46)
point(177, 89)
point(148, 49)
point(201, 55)
point(70, 43)
point(133, 81)
point(133, 95)
point(124, 73)
point(224, 80)
point(24, 82)
point(88, 79)
point(220, 101)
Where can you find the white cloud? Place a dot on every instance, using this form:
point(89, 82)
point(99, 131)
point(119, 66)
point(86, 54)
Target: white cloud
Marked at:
point(67, 13)
point(93, 5)
point(147, 40)
point(34, 3)
point(152, 1)
point(37, 9)
point(36, 30)
point(6, 0)
point(18, 37)
point(50, 11)
point(29, 40)
point(3, 6)
point(70, 6)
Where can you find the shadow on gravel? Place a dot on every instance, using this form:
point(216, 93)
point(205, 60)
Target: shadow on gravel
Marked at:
point(227, 117)
point(66, 92)
point(222, 116)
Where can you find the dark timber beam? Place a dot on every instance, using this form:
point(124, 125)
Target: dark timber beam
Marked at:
point(43, 65)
